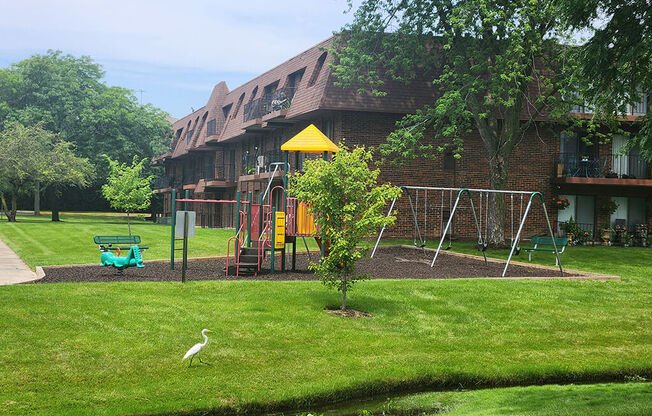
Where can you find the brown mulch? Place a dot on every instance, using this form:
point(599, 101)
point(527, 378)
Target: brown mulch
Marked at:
point(389, 263)
point(349, 313)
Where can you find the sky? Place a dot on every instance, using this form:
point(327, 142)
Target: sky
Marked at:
point(171, 53)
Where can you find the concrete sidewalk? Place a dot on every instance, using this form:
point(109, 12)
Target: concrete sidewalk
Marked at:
point(12, 268)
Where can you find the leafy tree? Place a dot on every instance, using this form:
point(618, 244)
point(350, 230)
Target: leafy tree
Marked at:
point(30, 154)
point(348, 205)
point(497, 65)
point(615, 63)
point(67, 96)
point(126, 189)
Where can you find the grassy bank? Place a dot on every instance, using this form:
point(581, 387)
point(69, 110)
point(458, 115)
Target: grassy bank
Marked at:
point(116, 348)
point(627, 399)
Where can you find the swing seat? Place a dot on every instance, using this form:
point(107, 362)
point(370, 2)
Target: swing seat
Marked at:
point(481, 247)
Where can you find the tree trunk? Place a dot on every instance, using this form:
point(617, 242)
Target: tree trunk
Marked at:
point(11, 215)
point(344, 293)
point(37, 198)
point(53, 203)
point(498, 167)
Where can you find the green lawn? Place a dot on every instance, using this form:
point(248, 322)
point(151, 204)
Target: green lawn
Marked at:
point(115, 348)
point(41, 242)
point(628, 399)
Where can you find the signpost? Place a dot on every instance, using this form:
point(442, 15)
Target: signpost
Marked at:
point(185, 229)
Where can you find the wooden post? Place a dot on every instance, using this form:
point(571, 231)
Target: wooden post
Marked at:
point(185, 247)
point(173, 220)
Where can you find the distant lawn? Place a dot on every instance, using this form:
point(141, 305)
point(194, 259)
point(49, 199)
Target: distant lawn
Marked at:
point(628, 399)
point(41, 242)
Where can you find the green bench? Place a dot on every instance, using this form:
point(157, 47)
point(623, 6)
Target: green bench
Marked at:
point(561, 243)
point(106, 242)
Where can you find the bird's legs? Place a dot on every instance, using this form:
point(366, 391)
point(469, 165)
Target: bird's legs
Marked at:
point(198, 356)
point(191, 357)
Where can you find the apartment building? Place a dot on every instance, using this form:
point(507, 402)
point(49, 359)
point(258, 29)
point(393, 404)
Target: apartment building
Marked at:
point(233, 141)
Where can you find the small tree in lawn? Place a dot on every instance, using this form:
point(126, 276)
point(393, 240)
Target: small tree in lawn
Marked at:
point(349, 206)
point(126, 190)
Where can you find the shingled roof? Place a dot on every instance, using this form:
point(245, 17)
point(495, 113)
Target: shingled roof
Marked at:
point(315, 91)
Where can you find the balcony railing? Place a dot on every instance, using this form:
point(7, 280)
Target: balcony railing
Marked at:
point(584, 227)
point(277, 100)
point(208, 173)
point(607, 166)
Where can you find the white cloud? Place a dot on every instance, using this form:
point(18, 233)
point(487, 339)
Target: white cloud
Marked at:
point(246, 36)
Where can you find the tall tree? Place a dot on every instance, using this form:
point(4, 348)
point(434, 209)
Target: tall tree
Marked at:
point(67, 96)
point(31, 154)
point(615, 62)
point(497, 65)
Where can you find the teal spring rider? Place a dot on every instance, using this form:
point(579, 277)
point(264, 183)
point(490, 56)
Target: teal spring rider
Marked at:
point(133, 258)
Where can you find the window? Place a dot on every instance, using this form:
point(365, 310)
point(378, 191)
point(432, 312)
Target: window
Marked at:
point(253, 94)
point(317, 70)
point(226, 110)
point(631, 210)
point(188, 132)
point(449, 160)
point(328, 128)
point(210, 128)
point(294, 79)
point(237, 107)
point(581, 209)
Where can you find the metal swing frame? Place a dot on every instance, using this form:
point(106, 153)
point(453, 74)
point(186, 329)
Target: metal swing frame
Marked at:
point(468, 191)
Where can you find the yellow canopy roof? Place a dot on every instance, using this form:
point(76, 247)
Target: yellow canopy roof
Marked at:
point(310, 140)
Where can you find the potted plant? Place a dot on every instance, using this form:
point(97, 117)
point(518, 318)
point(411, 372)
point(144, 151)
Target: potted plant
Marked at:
point(605, 234)
point(561, 203)
point(569, 228)
point(610, 206)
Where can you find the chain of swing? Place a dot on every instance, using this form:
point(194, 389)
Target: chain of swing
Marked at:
point(483, 207)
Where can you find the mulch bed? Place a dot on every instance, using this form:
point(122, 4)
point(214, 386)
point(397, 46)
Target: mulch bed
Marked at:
point(389, 263)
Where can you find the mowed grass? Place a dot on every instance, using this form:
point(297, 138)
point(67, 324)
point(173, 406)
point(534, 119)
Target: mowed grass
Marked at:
point(41, 242)
point(115, 348)
point(607, 399)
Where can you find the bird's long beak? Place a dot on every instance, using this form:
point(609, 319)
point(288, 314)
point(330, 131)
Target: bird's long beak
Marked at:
point(208, 330)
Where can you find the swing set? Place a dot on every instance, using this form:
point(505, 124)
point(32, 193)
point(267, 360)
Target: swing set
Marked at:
point(480, 216)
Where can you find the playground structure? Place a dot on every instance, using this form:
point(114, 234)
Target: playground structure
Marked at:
point(275, 220)
point(483, 199)
point(132, 259)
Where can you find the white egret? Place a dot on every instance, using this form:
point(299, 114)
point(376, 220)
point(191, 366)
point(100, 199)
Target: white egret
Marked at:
point(197, 348)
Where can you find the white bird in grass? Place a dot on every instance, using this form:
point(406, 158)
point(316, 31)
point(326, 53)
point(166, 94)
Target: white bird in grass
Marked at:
point(197, 348)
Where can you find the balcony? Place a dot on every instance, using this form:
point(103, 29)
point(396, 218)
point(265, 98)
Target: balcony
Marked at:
point(279, 99)
point(612, 166)
point(611, 169)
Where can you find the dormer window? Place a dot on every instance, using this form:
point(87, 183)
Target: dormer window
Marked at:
point(210, 127)
point(317, 70)
point(226, 110)
point(237, 107)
